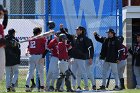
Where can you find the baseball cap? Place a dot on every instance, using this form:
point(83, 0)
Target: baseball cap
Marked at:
point(11, 31)
point(111, 31)
point(80, 28)
point(1, 8)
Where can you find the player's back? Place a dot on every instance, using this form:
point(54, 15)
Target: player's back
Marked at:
point(37, 46)
point(53, 47)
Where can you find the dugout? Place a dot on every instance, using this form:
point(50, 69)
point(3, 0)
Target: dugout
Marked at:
point(131, 26)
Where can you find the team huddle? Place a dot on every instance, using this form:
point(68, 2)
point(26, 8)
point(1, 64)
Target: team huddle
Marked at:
point(64, 47)
point(71, 59)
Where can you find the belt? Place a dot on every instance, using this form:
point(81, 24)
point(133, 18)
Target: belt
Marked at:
point(63, 60)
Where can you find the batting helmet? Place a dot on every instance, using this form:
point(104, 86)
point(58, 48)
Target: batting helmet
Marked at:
point(121, 39)
point(51, 25)
point(62, 37)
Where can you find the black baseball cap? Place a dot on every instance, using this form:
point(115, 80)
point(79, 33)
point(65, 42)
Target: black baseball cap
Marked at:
point(111, 31)
point(82, 29)
point(11, 31)
point(1, 8)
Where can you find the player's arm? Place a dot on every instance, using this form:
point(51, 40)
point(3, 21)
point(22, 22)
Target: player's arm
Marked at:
point(5, 21)
point(41, 60)
point(118, 47)
point(45, 52)
point(90, 49)
point(49, 47)
point(27, 51)
point(68, 46)
point(99, 38)
point(130, 51)
point(126, 51)
point(89, 44)
point(120, 53)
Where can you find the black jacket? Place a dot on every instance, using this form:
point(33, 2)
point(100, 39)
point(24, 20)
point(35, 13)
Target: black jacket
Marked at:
point(12, 52)
point(135, 52)
point(82, 48)
point(110, 47)
point(103, 50)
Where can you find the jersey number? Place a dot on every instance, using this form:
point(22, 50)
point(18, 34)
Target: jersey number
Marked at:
point(32, 44)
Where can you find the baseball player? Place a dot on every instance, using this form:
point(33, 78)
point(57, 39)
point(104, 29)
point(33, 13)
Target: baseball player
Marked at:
point(79, 53)
point(4, 13)
point(123, 54)
point(88, 70)
point(12, 51)
point(63, 48)
point(135, 52)
point(53, 71)
point(109, 53)
point(36, 49)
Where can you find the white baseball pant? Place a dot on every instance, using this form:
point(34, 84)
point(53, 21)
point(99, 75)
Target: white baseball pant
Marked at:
point(34, 63)
point(121, 68)
point(106, 66)
point(90, 74)
point(2, 62)
point(63, 66)
point(14, 77)
point(53, 71)
point(79, 64)
point(137, 75)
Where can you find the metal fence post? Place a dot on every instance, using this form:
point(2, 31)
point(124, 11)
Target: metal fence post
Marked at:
point(46, 28)
point(120, 17)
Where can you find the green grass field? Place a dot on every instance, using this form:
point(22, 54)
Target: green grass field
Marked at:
point(22, 79)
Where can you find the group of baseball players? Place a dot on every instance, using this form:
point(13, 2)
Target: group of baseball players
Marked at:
point(71, 58)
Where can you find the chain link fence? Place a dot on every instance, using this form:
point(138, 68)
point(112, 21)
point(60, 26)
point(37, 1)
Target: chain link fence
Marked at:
point(24, 15)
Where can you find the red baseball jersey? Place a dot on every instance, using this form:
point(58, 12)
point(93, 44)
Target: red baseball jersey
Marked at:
point(1, 31)
point(63, 50)
point(123, 52)
point(52, 46)
point(37, 46)
point(1, 35)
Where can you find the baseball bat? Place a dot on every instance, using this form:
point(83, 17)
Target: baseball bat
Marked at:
point(49, 33)
point(74, 77)
point(108, 80)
